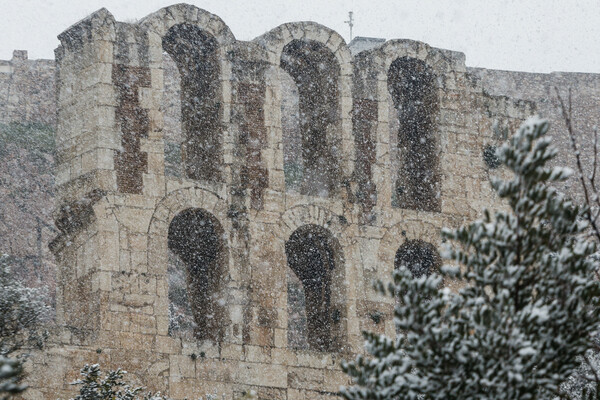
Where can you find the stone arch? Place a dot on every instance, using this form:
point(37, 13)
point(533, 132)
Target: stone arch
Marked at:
point(194, 52)
point(334, 229)
point(440, 60)
point(380, 61)
point(159, 22)
point(314, 214)
point(288, 46)
point(415, 157)
point(398, 234)
point(197, 42)
point(311, 65)
point(196, 238)
point(421, 258)
point(167, 209)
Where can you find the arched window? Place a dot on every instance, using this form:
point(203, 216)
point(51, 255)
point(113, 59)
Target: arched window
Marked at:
point(194, 51)
point(414, 144)
point(196, 274)
point(312, 153)
point(315, 289)
point(419, 257)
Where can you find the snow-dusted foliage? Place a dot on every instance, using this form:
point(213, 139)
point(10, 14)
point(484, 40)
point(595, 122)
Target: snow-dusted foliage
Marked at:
point(10, 373)
point(528, 305)
point(113, 386)
point(22, 313)
point(585, 382)
point(92, 386)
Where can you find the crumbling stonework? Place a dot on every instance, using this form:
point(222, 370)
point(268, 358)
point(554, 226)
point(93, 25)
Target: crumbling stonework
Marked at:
point(137, 180)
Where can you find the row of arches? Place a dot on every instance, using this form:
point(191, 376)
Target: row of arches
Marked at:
point(316, 288)
point(312, 90)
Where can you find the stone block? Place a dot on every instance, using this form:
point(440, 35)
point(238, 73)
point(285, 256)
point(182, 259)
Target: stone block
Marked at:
point(230, 351)
point(182, 366)
point(261, 375)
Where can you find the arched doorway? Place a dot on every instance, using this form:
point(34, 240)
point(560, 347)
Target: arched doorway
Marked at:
point(196, 276)
point(311, 117)
point(316, 294)
point(195, 52)
point(415, 156)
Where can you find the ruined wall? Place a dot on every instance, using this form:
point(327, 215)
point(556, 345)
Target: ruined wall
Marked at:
point(27, 90)
point(541, 89)
point(246, 275)
point(27, 121)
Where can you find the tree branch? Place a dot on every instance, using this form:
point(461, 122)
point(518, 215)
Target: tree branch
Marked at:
point(567, 116)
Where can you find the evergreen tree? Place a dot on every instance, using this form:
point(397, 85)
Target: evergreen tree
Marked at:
point(11, 371)
point(528, 305)
point(23, 311)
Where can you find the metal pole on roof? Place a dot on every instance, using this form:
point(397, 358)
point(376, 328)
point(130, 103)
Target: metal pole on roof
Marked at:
point(350, 22)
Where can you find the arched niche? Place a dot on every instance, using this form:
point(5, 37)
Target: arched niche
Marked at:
point(195, 52)
point(196, 275)
point(419, 257)
point(312, 132)
point(316, 300)
point(414, 143)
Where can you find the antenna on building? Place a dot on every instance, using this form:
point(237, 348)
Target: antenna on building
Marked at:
point(350, 22)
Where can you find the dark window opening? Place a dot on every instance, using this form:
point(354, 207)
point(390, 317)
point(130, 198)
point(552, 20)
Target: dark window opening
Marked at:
point(296, 300)
point(412, 85)
point(196, 275)
point(419, 257)
point(195, 53)
point(311, 156)
point(315, 299)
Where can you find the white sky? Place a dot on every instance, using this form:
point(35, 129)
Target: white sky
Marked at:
point(525, 35)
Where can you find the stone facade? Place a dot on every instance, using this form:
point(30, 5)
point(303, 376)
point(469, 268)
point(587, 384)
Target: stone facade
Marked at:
point(244, 232)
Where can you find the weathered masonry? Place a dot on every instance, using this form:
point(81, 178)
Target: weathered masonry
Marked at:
point(233, 246)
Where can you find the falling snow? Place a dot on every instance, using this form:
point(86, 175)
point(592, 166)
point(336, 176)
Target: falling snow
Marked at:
point(211, 213)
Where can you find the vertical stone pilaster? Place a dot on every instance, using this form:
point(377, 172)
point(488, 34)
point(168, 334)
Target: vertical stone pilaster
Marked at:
point(130, 162)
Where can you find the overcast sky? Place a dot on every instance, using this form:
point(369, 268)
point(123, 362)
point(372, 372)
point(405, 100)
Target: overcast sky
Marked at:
point(524, 35)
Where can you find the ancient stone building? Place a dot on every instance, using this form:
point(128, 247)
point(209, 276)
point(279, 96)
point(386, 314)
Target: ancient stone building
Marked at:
point(229, 242)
